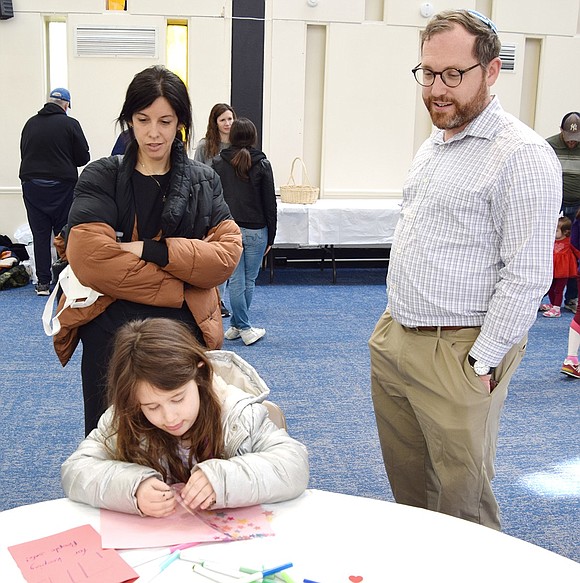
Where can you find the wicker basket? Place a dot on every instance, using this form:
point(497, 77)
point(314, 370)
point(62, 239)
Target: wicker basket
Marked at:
point(296, 193)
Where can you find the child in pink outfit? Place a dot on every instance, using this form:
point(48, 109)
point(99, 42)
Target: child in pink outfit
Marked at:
point(565, 266)
point(571, 367)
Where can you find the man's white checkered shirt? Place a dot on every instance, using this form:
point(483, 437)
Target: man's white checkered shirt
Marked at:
point(474, 243)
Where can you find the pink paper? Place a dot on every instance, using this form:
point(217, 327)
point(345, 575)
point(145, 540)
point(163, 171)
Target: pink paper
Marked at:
point(129, 531)
point(72, 555)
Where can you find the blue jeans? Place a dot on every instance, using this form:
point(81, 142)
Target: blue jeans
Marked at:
point(243, 281)
point(222, 289)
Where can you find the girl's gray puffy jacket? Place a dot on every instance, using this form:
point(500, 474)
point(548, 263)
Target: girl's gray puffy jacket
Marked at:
point(262, 462)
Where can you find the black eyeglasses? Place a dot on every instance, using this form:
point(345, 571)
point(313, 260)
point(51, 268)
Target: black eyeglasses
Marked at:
point(451, 77)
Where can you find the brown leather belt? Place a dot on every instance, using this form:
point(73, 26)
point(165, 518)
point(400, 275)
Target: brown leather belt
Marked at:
point(435, 328)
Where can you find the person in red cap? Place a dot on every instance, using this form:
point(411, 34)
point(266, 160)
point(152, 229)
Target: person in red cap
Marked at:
point(565, 145)
point(52, 147)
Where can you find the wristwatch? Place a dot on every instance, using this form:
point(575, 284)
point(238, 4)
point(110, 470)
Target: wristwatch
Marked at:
point(481, 369)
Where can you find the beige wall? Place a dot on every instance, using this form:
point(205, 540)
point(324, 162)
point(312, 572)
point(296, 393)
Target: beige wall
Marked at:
point(338, 89)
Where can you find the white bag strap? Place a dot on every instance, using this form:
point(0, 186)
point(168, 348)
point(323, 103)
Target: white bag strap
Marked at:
point(76, 296)
point(52, 325)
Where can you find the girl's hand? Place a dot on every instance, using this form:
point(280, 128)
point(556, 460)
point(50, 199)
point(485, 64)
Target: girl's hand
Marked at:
point(198, 492)
point(155, 498)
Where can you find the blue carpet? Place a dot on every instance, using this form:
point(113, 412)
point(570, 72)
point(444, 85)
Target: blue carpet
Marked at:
point(315, 359)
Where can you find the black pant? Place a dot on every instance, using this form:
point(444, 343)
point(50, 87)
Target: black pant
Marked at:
point(47, 205)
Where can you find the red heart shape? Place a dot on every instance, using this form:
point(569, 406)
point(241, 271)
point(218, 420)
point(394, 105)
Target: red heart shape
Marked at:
point(355, 578)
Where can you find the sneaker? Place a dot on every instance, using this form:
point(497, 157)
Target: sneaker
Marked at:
point(553, 312)
point(571, 369)
point(225, 311)
point(545, 307)
point(42, 289)
point(251, 335)
point(232, 333)
point(571, 305)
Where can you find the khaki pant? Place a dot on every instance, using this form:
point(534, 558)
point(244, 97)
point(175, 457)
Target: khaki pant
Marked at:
point(437, 422)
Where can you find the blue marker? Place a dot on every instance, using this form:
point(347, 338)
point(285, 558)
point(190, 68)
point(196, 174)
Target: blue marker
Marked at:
point(170, 559)
point(260, 575)
point(275, 570)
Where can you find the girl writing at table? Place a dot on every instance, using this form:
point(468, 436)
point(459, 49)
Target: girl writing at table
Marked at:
point(181, 414)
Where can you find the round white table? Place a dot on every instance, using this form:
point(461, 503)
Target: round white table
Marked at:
point(330, 538)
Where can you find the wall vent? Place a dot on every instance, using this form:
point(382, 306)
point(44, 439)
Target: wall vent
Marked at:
point(507, 54)
point(109, 41)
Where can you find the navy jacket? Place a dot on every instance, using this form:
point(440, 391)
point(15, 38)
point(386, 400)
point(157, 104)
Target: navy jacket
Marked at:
point(52, 146)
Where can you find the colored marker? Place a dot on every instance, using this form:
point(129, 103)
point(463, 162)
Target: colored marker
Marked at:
point(170, 559)
point(309, 581)
point(218, 568)
point(212, 575)
point(260, 575)
point(190, 555)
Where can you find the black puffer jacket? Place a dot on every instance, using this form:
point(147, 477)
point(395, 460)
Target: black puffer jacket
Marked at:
point(104, 194)
point(253, 203)
point(203, 245)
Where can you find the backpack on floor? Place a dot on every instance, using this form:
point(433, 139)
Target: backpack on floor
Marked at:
point(15, 276)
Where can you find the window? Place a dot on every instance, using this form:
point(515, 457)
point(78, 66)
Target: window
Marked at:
point(177, 49)
point(116, 5)
point(56, 58)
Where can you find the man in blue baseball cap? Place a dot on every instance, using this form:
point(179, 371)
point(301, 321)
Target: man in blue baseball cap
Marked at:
point(52, 147)
point(61, 94)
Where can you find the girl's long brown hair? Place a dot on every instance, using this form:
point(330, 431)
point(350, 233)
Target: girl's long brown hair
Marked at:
point(165, 354)
point(212, 135)
point(243, 136)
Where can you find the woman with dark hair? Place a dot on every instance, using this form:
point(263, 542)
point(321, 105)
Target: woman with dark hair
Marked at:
point(217, 136)
point(150, 231)
point(176, 417)
point(248, 185)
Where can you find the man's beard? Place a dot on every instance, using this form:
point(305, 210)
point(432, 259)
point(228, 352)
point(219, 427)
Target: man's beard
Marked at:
point(463, 113)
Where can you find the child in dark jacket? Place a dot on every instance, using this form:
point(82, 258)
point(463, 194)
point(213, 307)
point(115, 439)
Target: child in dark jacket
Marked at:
point(248, 183)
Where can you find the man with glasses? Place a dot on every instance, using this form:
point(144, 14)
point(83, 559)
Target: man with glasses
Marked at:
point(470, 262)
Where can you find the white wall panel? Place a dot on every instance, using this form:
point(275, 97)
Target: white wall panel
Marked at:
point(209, 67)
point(369, 109)
point(559, 17)
point(179, 8)
point(285, 84)
point(24, 95)
point(509, 84)
point(407, 12)
point(325, 11)
point(19, 53)
point(558, 91)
